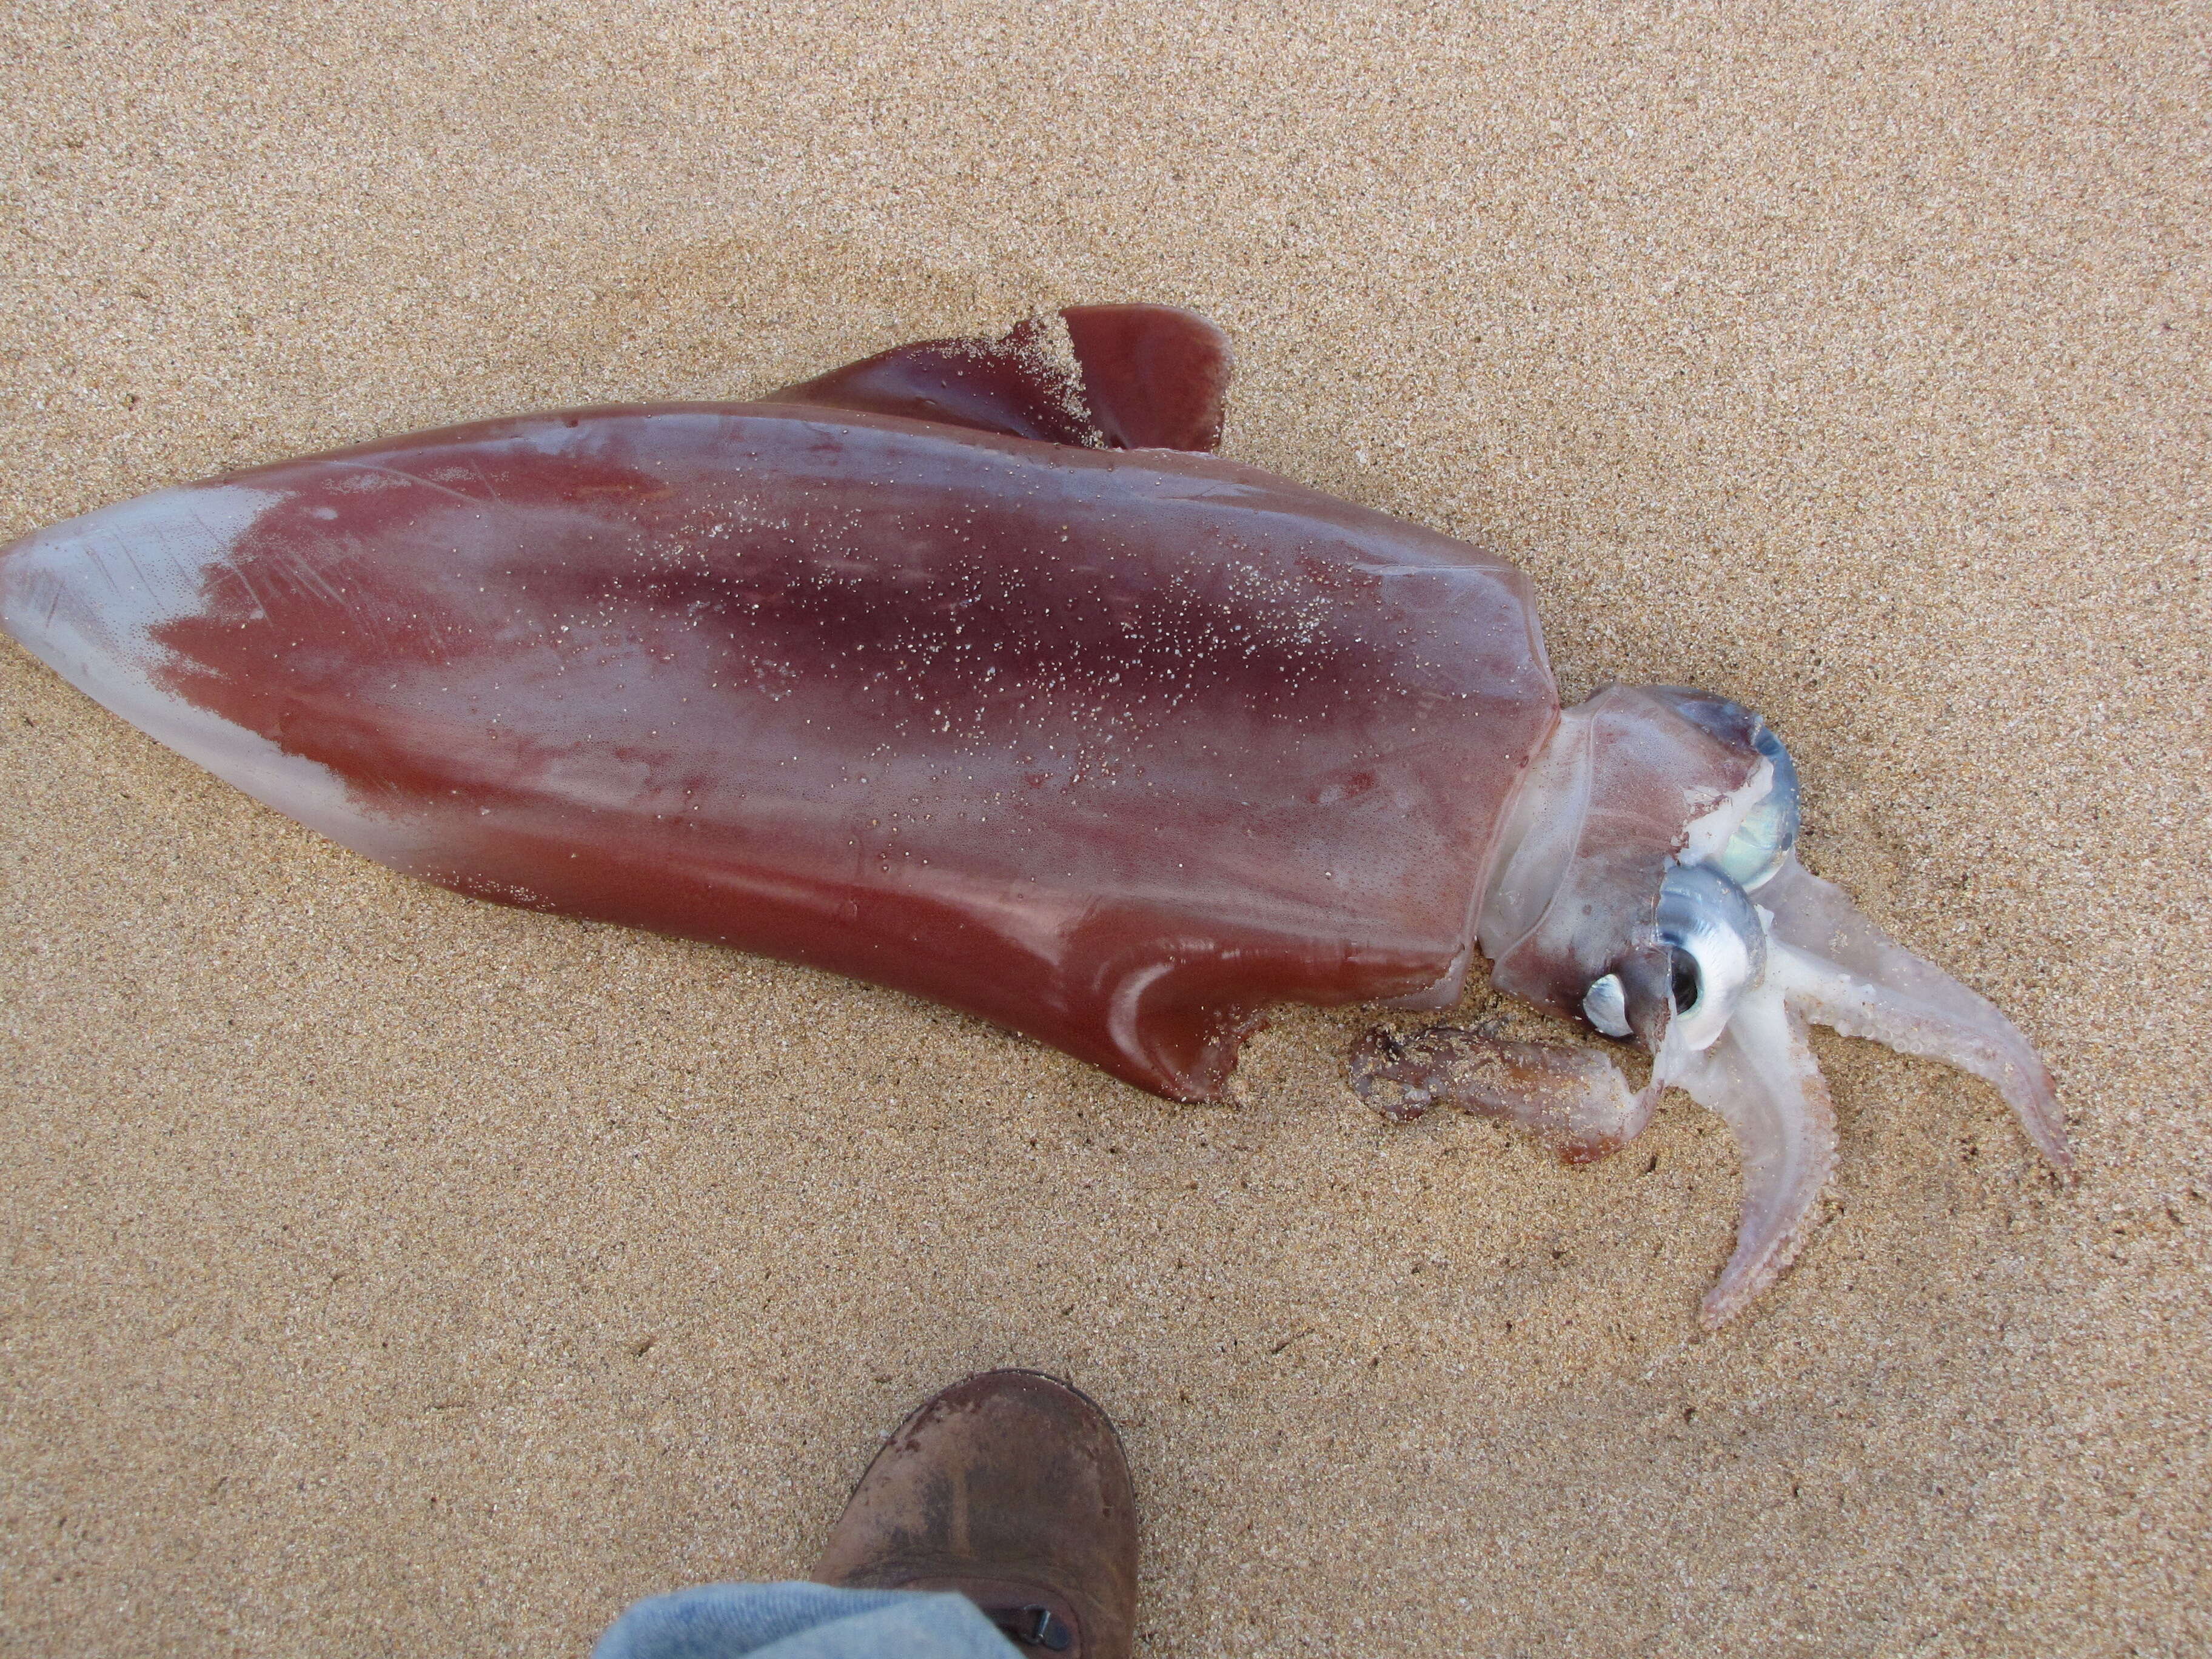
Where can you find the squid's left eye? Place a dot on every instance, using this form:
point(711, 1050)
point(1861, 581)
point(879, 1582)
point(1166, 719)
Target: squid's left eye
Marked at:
point(1717, 946)
point(1605, 1005)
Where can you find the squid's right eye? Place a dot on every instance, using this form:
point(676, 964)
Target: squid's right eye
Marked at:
point(1764, 839)
point(1688, 983)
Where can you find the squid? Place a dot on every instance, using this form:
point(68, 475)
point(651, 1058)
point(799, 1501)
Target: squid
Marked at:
point(972, 670)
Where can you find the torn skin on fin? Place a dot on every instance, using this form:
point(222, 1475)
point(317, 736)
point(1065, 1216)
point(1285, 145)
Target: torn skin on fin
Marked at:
point(1097, 377)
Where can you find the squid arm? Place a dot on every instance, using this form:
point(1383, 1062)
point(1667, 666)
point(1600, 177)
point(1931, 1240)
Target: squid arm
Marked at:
point(1825, 964)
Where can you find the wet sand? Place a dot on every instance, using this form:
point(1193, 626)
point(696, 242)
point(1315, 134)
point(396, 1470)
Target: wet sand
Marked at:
point(388, 1271)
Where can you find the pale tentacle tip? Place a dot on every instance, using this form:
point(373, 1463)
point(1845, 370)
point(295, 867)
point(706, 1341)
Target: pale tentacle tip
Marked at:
point(1736, 1289)
point(2036, 1105)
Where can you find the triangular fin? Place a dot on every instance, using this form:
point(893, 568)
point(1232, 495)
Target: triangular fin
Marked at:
point(1104, 377)
point(1156, 377)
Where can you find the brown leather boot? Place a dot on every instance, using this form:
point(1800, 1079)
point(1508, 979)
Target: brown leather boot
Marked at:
point(1011, 1488)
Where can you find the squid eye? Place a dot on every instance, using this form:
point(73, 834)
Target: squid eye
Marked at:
point(1605, 1005)
point(1688, 983)
point(1769, 831)
point(1717, 949)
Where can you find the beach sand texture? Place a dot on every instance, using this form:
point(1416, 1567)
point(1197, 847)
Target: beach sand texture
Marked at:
point(386, 1272)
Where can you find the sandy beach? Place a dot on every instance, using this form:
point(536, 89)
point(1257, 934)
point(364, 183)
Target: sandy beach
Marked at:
point(385, 1272)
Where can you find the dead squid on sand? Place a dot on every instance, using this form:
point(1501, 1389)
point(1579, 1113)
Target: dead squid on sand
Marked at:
point(971, 669)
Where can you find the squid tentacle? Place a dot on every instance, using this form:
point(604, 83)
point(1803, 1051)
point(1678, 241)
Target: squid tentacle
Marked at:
point(1575, 1099)
point(1825, 964)
point(1847, 974)
point(1761, 1079)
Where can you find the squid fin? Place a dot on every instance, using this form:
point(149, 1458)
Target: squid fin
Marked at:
point(1130, 377)
point(1156, 377)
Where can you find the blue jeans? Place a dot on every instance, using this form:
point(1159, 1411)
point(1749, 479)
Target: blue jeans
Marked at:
point(802, 1621)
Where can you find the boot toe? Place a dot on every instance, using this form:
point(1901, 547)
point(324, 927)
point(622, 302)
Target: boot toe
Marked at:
point(1012, 1487)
